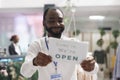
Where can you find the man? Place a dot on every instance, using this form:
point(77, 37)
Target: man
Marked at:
point(38, 56)
point(116, 72)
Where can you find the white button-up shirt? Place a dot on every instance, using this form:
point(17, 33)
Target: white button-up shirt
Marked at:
point(67, 70)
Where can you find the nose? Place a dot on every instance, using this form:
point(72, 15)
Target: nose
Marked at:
point(57, 24)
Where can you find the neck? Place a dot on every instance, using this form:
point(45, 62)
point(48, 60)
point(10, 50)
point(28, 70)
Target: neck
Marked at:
point(50, 35)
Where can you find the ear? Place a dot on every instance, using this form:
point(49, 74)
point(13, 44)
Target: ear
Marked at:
point(44, 23)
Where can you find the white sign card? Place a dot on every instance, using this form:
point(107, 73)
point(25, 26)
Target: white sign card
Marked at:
point(67, 50)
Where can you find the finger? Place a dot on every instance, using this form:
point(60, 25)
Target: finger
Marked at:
point(89, 59)
point(92, 62)
point(42, 56)
point(50, 58)
point(47, 60)
point(88, 68)
point(44, 61)
point(41, 63)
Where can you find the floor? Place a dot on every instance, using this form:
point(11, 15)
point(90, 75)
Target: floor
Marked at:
point(103, 75)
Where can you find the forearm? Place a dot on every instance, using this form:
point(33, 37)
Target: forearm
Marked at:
point(28, 69)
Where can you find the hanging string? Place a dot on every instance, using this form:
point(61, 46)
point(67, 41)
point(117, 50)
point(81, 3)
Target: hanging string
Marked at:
point(72, 19)
point(74, 23)
point(69, 25)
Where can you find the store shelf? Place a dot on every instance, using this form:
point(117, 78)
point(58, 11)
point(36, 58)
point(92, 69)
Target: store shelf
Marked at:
point(11, 58)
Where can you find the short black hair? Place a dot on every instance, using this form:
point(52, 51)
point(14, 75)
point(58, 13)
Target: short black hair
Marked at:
point(54, 8)
point(13, 37)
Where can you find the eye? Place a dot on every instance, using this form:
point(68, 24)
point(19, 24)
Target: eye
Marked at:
point(51, 21)
point(60, 21)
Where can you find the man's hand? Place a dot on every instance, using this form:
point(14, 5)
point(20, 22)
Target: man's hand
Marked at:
point(88, 64)
point(42, 59)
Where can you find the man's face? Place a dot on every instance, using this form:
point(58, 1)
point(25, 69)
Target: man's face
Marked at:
point(54, 23)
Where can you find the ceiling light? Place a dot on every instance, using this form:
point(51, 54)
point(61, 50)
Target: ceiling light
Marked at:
point(96, 17)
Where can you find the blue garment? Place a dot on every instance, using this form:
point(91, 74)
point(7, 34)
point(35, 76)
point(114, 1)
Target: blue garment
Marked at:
point(116, 73)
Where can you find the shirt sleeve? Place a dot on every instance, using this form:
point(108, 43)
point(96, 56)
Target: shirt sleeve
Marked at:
point(27, 68)
point(84, 75)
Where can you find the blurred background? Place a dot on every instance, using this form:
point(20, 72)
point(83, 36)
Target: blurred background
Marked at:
point(95, 21)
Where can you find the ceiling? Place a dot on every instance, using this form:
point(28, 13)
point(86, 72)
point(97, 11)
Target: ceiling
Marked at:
point(111, 13)
point(82, 22)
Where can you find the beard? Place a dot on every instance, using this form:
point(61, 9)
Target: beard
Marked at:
point(53, 33)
